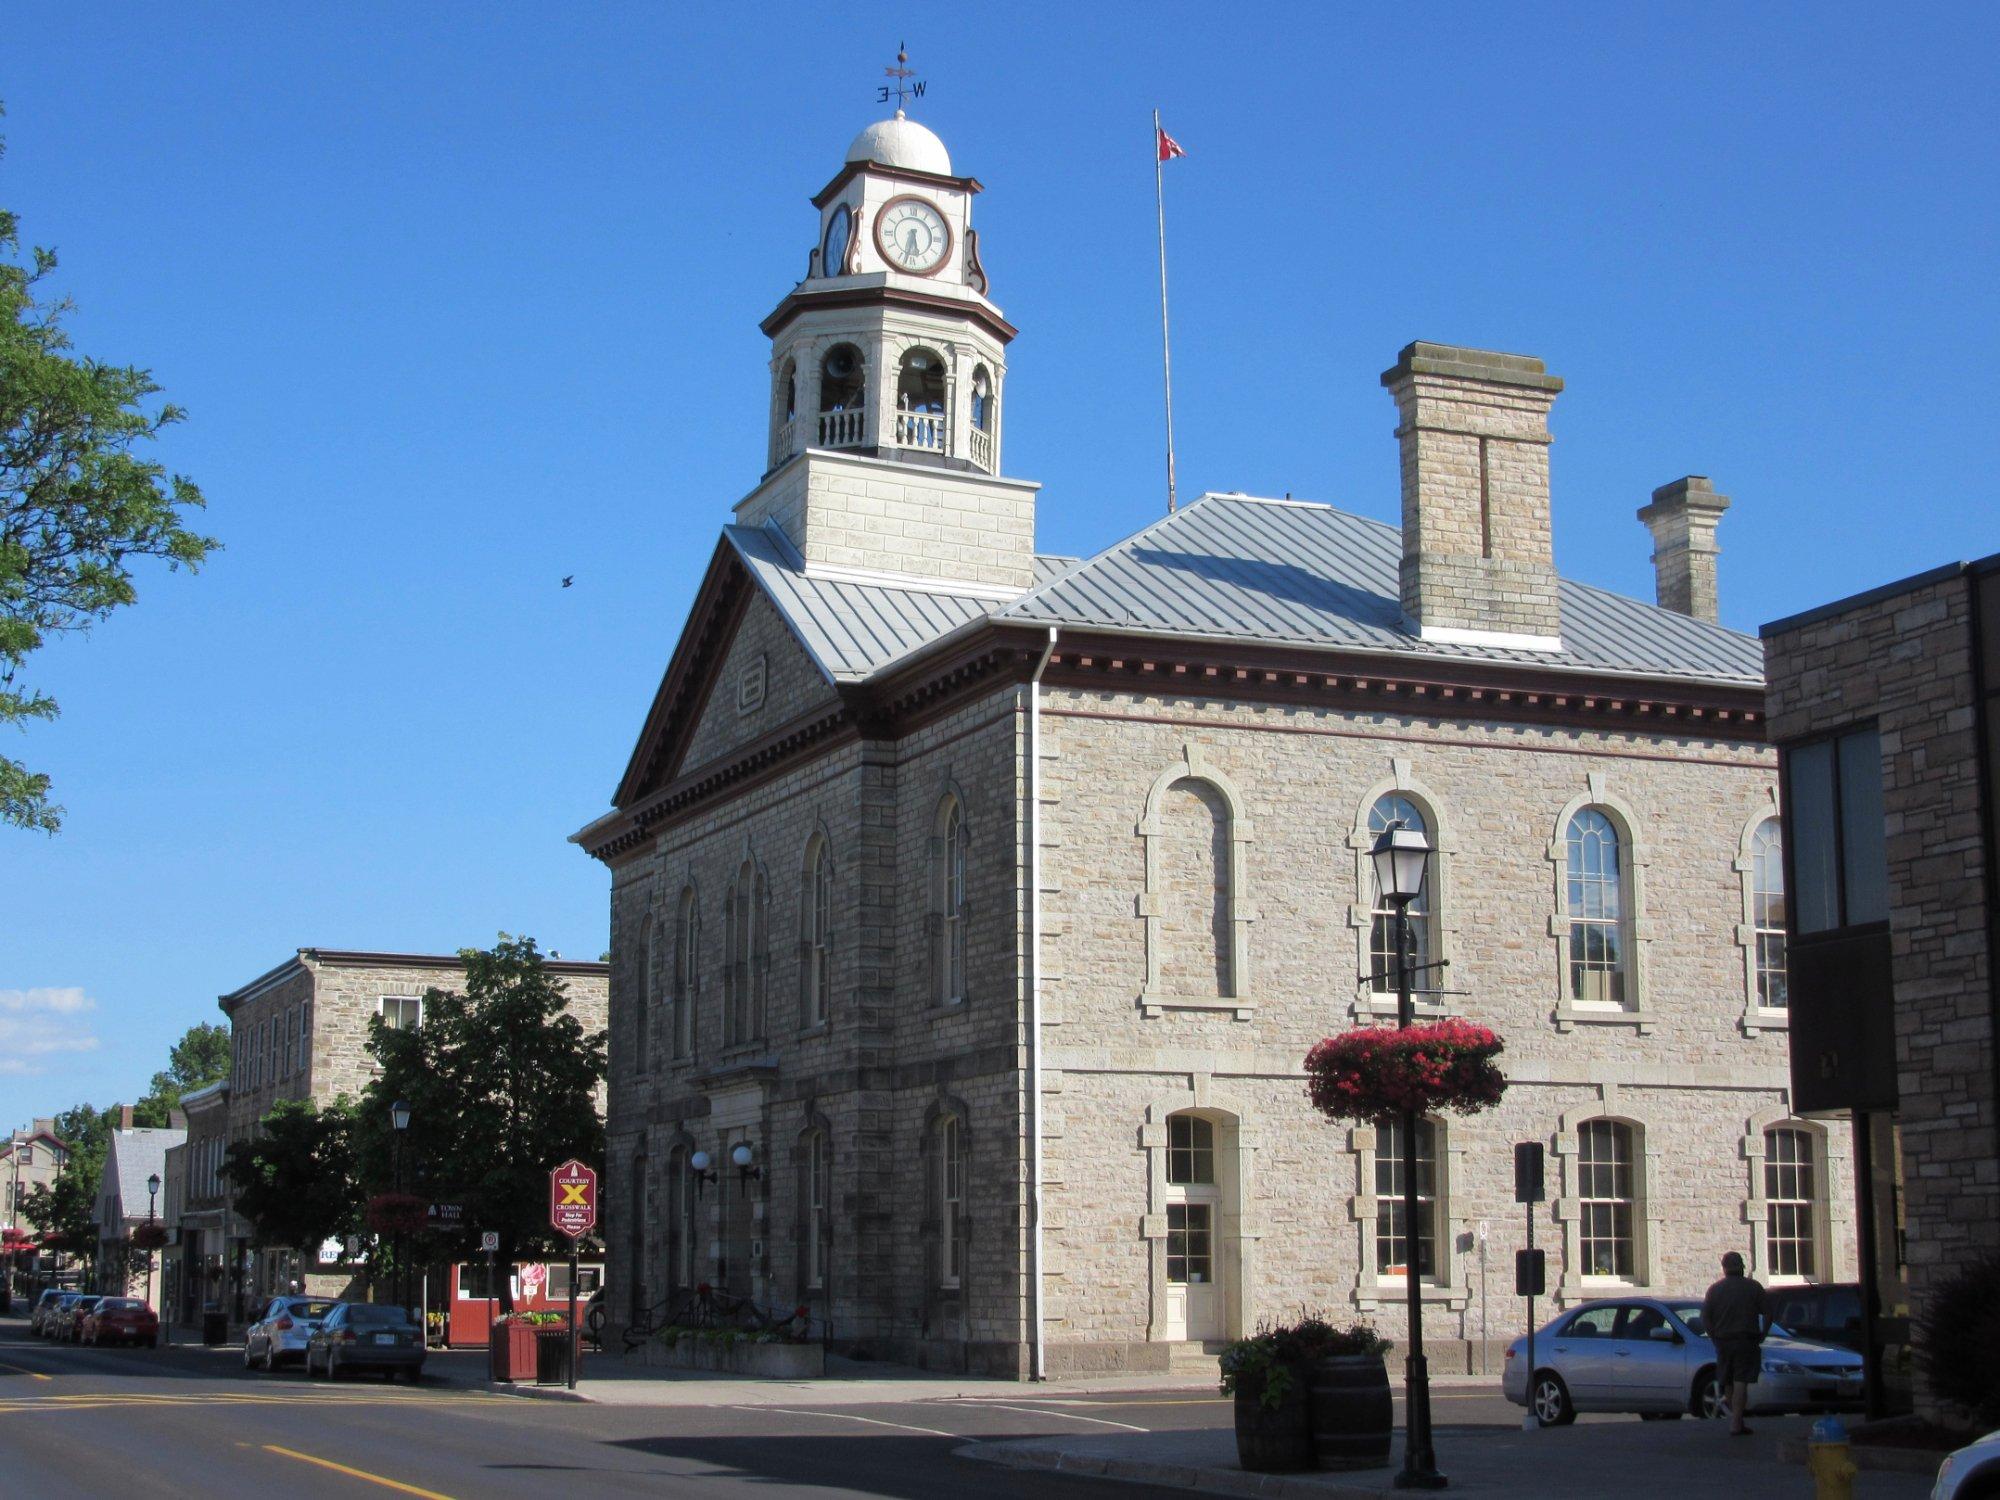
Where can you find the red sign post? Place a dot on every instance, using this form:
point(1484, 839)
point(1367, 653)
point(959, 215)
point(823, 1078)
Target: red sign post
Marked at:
point(573, 1211)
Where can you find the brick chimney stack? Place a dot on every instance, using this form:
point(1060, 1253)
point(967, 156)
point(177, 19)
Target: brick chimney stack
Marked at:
point(1478, 560)
point(1683, 518)
point(125, 1117)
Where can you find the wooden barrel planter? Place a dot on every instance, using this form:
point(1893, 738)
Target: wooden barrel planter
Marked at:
point(1275, 1439)
point(1351, 1415)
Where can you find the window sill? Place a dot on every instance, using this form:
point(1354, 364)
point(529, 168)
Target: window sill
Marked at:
point(1571, 1014)
point(817, 1028)
point(1385, 1005)
point(1758, 1019)
point(1153, 1004)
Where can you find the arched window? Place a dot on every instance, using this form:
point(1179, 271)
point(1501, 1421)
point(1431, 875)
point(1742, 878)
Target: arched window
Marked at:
point(635, 1235)
point(1789, 1205)
point(749, 957)
point(1596, 890)
point(950, 1169)
point(983, 410)
point(1767, 912)
point(1196, 913)
point(920, 401)
point(1389, 809)
point(813, 1190)
point(843, 395)
point(1607, 1191)
point(950, 913)
point(816, 932)
point(642, 1013)
point(1392, 1235)
point(687, 972)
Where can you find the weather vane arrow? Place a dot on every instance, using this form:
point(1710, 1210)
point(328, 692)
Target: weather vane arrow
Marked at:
point(907, 85)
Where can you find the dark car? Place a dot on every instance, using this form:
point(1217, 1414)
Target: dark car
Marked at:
point(120, 1320)
point(366, 1336)
point(1829, 1313)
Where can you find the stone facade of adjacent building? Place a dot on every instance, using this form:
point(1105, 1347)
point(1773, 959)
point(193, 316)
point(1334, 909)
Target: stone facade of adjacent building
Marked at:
point(1915, 663)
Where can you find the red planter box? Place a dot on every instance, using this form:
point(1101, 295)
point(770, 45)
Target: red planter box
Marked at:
point(512, 1351)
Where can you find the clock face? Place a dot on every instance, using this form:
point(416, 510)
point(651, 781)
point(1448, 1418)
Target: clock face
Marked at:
point(833, 253)
point(912, 235)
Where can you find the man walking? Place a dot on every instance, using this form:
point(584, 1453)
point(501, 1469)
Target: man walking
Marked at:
point(1736, 1316)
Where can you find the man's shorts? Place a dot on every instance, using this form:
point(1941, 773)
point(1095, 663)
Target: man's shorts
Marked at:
point(1737, 1361)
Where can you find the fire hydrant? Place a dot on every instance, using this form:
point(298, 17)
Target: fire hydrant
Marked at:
point(1828, 1462)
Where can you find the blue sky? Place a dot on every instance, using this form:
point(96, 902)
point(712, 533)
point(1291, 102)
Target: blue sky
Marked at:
point(464, 299)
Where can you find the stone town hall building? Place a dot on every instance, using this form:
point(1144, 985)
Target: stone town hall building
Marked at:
point(993, 899)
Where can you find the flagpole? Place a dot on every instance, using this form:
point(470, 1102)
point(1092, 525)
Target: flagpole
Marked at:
point(1166, 343)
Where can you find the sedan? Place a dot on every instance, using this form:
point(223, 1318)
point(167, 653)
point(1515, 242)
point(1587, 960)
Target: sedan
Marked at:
point(282, 1329)
point(68, 1321)
point(44, 1305)
point(366, 1336)
point(1972, 1473)
point(1650, 1355)
point(120, 1320)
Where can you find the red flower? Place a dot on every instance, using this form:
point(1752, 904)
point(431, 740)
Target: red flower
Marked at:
point(1374, 1073)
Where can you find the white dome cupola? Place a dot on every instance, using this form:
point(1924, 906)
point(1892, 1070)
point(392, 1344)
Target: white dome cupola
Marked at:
point(890, 345)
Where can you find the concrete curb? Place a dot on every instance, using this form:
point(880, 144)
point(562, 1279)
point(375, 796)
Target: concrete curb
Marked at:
point(1316, 1486)
point(537, 1392)
point(1872, 1457)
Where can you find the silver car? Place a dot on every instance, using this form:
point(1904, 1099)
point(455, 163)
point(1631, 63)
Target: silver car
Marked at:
point(1649, 1355)
point(281, 1332)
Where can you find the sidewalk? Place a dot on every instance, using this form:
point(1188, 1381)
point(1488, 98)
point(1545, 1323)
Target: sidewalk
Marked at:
point(1607, 1460)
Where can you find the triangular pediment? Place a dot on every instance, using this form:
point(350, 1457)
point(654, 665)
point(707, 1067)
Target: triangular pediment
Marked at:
point(737, 673)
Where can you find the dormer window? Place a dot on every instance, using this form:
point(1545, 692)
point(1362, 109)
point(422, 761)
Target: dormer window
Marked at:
point(843, 397)
point(920, 402)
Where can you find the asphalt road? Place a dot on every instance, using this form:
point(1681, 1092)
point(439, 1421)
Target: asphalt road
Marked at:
point(130, 1424)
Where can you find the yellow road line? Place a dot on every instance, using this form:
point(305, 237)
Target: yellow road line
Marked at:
point(24, 1370)
point(327, 1463)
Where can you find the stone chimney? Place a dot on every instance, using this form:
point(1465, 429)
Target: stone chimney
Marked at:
point(1683, 518)
point(1478, 562)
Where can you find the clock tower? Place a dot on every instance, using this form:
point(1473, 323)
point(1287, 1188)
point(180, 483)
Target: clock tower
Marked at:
point(888, 374)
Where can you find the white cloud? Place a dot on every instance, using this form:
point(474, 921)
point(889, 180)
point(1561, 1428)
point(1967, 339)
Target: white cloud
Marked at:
point(40, 1023)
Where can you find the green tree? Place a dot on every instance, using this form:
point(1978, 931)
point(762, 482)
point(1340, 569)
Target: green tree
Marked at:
point(199, 1058)
point(65, 1207)
point(296, 1181)
point(76, 502)
point(502, 1086)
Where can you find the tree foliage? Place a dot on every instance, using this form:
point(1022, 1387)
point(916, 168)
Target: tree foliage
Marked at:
point(77, 503)
point(297, 1181)
point(199, 1058)
point(502, 1086)
point(65, 1208)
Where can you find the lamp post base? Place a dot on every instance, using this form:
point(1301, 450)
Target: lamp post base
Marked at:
point(1419, 1471)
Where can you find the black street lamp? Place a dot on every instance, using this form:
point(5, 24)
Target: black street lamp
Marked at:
point(152, 1197)
point(1400, 856)
point(399, 1117)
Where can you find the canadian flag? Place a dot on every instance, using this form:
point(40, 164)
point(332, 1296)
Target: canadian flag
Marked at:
point(1169, 147)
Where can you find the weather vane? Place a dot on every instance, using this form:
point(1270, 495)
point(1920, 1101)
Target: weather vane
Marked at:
point(907, 85)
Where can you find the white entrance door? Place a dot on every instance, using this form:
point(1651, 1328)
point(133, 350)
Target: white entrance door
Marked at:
point(1194, 1310)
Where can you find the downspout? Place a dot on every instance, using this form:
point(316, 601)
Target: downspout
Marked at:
point(1038, 1365)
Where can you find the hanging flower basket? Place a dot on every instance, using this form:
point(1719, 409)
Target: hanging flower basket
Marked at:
point(396, 1213)
point(149, 1237)
point(1373, 1074)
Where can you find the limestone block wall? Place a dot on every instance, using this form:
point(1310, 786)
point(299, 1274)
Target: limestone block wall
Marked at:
point(874, 1075)
point(1906, 662)
point(1680, 1064)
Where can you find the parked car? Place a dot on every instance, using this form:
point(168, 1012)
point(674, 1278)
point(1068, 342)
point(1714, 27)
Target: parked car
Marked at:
point(120, 1320)
point(1971, 1473)
point(1827, 1313)
point(69, 1322)
point(282, 1329)
point(44, 1305)
point(366, 1336)
point(1650, 1355)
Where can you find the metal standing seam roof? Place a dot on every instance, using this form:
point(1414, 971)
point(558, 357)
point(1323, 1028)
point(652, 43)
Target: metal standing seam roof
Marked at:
point(1290, 572)
point(1275, 572)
